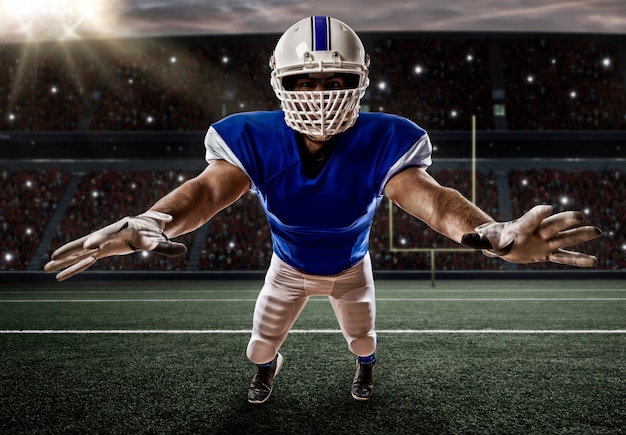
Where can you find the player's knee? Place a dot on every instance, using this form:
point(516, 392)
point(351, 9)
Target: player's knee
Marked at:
point(260, 351)
point(363, 346)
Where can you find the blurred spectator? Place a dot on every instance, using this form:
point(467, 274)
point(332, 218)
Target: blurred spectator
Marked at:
point(238, 238)
point(28, 200)
point(107, 196)
point(253, 89)
point(182, 84)
point(437, 83)
point(161, 87)
point(47, 91)
point(563, 85)
point(599, 194)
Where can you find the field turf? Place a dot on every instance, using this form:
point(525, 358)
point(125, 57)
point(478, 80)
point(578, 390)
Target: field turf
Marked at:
point(168, 357)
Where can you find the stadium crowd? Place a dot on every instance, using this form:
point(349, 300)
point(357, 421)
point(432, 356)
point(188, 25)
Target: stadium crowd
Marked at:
point(574, 85)
point(183, 85)
point(238, 238)
point(599, 194)
point(28, 199)
point(107, 196)
point(438, 83)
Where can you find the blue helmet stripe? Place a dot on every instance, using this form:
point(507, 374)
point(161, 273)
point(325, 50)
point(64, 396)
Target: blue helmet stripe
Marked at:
point(320, 34)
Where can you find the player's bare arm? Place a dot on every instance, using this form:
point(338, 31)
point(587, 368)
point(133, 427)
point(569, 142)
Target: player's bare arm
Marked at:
point(442, 208)
point(199, 199)
point(181, 211)
point(537, 236)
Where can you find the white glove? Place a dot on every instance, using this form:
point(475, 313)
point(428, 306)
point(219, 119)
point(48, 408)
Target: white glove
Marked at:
point(131, 234)
point(535, 237)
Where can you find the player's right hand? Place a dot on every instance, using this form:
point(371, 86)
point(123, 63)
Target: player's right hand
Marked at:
point(137, 233)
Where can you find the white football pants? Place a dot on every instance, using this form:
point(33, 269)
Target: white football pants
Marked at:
point(285, 292)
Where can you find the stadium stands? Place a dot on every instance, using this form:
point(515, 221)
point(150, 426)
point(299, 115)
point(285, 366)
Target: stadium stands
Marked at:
point(238, 238)
point(563, 85)
point(28, 198)
point(546, 83)
point(107, 196)
point(438, 83)
point(549, 83)
point(599, 194)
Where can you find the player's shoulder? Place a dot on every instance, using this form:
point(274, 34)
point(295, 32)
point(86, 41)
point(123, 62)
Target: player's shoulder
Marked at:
point(257, 119)
point(380, 121)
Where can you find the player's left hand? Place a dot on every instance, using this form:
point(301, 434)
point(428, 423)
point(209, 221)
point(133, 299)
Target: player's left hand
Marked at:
point(535, 237)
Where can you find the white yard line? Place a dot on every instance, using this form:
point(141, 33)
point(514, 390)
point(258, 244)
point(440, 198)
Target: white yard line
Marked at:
point(314, 298)
point(313, 331)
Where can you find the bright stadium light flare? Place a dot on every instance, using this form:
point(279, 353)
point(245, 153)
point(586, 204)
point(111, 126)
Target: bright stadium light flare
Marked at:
point(40, 20)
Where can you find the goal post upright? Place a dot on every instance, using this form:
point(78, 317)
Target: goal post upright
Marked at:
point(433, 251)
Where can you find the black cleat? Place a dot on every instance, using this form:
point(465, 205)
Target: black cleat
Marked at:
point(263, 381)
point(363, 383)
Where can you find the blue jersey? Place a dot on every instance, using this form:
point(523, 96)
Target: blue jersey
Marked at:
point(319, 225)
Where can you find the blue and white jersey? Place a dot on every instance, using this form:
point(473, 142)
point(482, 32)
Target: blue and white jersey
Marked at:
point(319, 225)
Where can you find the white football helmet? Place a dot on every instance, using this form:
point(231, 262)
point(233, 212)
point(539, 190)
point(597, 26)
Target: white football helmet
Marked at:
point(319, 46)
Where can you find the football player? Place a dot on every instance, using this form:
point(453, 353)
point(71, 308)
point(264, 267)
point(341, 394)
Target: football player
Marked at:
point(320, 169)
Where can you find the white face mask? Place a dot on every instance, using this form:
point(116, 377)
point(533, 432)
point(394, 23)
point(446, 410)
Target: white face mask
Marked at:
point(321, 114)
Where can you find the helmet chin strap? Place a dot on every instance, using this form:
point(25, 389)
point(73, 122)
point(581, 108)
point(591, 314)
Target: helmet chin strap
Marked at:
point(319, 138)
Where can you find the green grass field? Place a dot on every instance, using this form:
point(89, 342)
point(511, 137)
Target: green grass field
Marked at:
point(153, 357)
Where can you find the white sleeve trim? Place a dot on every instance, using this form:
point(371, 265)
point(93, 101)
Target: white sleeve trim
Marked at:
point(418, 155)
point(218, 149)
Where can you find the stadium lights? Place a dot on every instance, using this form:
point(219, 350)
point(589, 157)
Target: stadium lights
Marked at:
point(418, 69)
point(606, 62)
point(37, 20)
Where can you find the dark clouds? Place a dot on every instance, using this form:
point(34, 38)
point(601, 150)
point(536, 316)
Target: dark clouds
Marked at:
point(184, 17)
point(274, 16)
